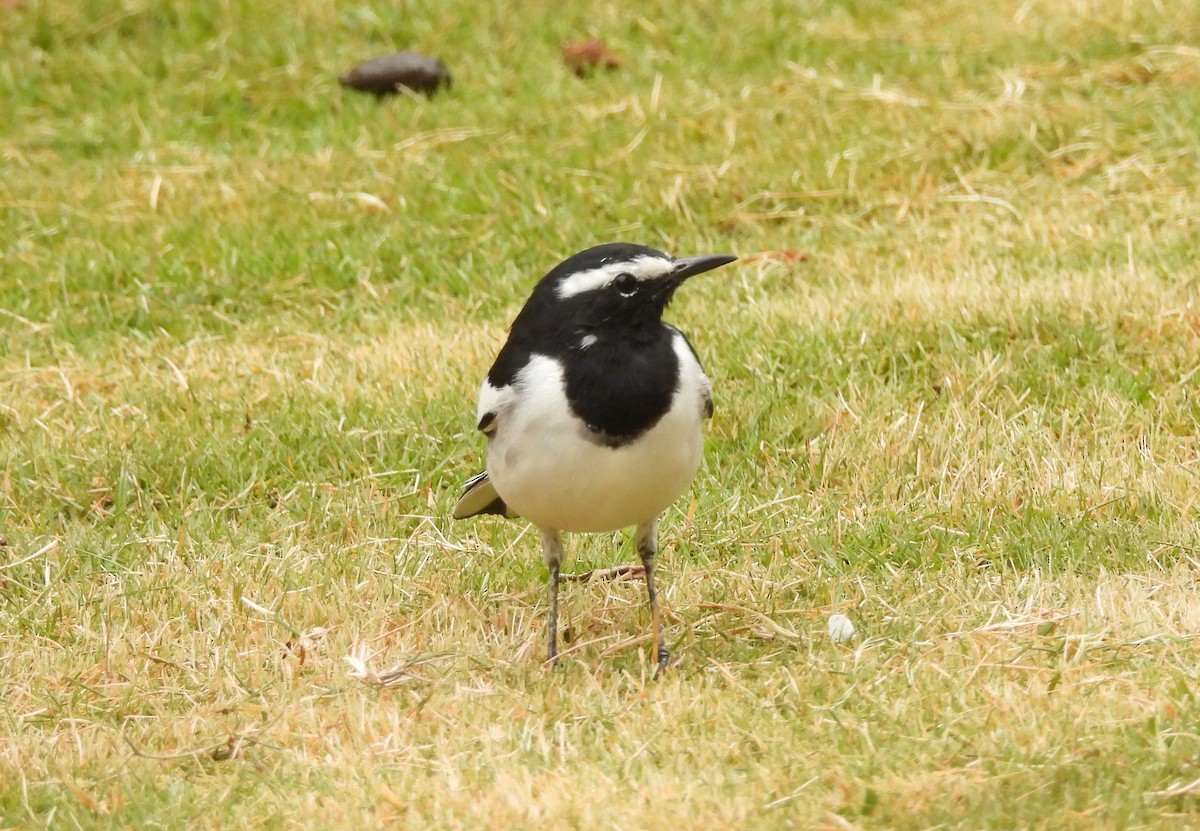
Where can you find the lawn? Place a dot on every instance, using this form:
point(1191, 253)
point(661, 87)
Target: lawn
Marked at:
point(244, 314)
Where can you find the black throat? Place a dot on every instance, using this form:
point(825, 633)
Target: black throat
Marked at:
point(620, 387)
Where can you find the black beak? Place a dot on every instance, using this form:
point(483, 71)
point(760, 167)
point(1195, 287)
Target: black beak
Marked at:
point(686, 267)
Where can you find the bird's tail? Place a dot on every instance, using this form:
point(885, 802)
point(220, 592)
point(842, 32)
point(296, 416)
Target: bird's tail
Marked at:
point(480, 497)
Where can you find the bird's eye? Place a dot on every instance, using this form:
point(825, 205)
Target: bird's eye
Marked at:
point(625, 284)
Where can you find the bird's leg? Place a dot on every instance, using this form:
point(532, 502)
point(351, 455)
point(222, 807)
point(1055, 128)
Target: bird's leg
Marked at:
point(647, 545)
point(552, 553)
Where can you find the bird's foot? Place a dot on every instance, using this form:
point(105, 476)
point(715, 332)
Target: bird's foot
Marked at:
point(664, 658)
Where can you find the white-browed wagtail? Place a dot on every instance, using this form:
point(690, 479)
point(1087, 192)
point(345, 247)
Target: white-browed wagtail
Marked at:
point(594, 409)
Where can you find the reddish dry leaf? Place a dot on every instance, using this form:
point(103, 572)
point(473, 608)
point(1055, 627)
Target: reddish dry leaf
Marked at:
point(584, 56)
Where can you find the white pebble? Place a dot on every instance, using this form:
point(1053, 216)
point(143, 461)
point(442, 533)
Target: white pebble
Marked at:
point(840, 628)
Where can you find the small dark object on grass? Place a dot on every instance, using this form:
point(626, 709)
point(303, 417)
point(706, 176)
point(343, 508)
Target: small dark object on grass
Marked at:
point(403, 70)
point(587, 55)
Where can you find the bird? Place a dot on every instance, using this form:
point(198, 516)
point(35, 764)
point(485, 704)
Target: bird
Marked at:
point(594, 409)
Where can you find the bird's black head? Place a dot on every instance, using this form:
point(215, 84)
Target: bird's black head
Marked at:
point(618, 285)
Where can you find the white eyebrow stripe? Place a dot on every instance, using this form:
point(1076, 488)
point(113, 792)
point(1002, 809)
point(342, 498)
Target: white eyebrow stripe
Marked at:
point(646, 267)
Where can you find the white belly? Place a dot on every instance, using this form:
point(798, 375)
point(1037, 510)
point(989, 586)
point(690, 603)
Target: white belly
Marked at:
point(547, 470)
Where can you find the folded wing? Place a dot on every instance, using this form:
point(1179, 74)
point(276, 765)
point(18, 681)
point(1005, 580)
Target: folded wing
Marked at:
point(480, 497)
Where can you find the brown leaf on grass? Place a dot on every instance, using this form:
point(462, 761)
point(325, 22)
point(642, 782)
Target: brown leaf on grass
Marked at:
point(585, 56)
point(389, 74)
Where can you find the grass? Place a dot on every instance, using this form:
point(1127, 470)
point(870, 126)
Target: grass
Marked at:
point(243, 316)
